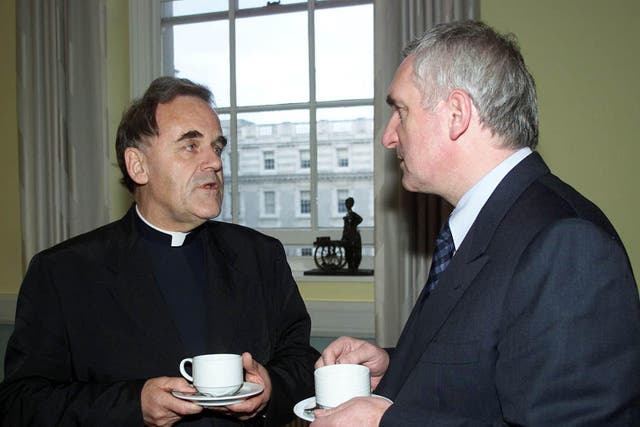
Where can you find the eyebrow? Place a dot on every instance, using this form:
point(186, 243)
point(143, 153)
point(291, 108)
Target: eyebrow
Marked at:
point(390, 101)
point(196, 134)
point(189, 135)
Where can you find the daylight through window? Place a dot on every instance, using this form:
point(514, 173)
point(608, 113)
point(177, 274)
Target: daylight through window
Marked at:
point(293, 86)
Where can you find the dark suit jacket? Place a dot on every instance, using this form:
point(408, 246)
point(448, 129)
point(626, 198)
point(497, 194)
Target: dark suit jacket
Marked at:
point(535, 322)
point(92, 327)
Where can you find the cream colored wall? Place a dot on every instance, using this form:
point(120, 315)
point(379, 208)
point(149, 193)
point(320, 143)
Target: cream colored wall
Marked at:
point(584, 57)
point(118, 94)
point(11, 248)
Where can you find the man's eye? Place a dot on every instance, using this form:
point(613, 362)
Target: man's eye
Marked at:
point(190, 147)
point(218, 150)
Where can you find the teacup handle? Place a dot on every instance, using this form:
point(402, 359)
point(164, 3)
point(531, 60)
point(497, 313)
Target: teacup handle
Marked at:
point(182, 371)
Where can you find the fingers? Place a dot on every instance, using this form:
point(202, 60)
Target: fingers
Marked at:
point(344, 350)
point(249, 365)
point(160, 407)
point(333, 351)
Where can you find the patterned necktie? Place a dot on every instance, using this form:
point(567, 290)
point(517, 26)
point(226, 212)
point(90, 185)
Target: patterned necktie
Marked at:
point(441, 257)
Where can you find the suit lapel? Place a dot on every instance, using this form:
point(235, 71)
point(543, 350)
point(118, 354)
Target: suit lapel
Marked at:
point(428, 317)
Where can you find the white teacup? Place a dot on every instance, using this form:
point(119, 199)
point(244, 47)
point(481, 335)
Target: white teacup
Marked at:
point(215, 374)
point(335, 384)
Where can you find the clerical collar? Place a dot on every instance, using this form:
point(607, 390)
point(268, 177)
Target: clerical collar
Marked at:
point(177, 237)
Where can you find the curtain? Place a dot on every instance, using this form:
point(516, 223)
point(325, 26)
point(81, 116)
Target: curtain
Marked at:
point(62, 120)
point(406, 223)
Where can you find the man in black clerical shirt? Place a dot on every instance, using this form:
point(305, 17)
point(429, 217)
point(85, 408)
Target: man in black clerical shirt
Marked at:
point(104, 319)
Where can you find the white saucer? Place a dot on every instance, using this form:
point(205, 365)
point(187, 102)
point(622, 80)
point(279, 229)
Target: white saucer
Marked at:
point(247, 390)
point(310, 402)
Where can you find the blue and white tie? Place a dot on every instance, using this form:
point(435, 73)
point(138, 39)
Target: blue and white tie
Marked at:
point(441, 257)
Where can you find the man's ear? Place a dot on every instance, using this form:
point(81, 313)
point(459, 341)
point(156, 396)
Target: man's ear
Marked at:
point(460, 111)
point(135, 160)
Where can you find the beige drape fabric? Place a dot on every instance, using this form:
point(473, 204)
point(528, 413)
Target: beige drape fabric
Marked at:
point(62, 120)
point(406, 223)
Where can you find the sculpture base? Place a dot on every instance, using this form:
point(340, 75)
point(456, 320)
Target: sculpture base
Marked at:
point(341, 272)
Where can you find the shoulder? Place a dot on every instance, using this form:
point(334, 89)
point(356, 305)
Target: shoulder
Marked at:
point(90, 244)
point(549, 199)
point(240, 237)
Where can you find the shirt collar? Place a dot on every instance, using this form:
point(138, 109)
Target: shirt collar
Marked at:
point(177, 237)
point(470, 204)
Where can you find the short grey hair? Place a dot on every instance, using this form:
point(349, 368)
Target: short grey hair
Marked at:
point(488, 66)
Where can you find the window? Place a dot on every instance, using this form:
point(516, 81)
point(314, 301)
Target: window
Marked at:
point(293, 78)
point(269, 160)
point(305, 202)
point(342, 154)
point(342, 196)
point(269, 203)
point(305, 160)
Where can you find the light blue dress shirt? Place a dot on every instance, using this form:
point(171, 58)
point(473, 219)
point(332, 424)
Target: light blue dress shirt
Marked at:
point(470, 204)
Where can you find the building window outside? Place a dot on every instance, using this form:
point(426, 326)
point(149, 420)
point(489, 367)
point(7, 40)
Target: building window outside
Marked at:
point(305, 202)
point(303, 91)
point(305, 160)
point(342, 196)
point(342, 154)
point(269, 202)
point(269, 160)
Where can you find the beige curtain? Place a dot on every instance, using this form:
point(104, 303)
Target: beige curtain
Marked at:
point(62, 120)
point(406, 223)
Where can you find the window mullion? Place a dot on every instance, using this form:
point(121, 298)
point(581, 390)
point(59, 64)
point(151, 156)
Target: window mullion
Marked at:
point(233, 115)
point(313, 140)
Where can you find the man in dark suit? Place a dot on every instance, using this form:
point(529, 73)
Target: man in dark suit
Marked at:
point(531, 315)
point(104, 319)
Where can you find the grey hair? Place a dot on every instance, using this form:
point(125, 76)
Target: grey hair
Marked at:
point(488, 66)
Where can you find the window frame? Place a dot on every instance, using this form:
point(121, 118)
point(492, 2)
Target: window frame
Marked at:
point(148, 35)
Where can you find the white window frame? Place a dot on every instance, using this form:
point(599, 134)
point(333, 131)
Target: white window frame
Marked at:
point(276, 210)
point(336, 163)
point(338, 199)
point(271, 157)
point(146, 64)
point(299, 199)
point(306, 158)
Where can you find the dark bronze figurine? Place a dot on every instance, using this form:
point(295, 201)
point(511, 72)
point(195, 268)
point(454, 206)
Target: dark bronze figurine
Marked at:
point(351, 236)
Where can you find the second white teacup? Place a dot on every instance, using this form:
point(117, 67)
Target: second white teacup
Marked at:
point(335, 384)
point(214, 374)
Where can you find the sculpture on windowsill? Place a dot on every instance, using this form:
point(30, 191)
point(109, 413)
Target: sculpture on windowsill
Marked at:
point(331, 256)
point(351, 236)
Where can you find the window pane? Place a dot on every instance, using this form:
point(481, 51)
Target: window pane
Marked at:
point(244, 4)
point(226, 214)
point(344, 53)
point(305, 202)
point(200, 53)
point(272, 59)
point(345, 130)
point(269, 202)
point(305, 159)
point(269, 160)
point(342, 196)
point(192, 7)
point(288, 134)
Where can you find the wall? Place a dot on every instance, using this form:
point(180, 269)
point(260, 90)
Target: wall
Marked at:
point(584, 57)
point(11, 248)
point(118, 95)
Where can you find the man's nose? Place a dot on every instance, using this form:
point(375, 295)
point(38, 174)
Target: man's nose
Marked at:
point(390, 135)
point(212, 158)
